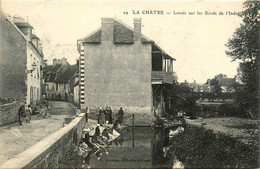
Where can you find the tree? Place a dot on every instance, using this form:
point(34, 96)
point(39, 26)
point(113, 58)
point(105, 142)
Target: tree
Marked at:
point(215, 82)
point(244, 47)
point(182, 98)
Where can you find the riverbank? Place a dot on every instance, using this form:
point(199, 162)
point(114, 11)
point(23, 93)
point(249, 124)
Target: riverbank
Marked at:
point(201, 146)
point(244, 130)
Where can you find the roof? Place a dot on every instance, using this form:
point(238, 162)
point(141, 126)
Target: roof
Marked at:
point(56, 67)
point(47, 68)
point(50, 72)
point(12, 23)
point(94, 38)
point(23, 25)
point(50, 77)
point(123, 34)
point(17, 26)
point(67, 74)
point(226, 81)
point(35, 37)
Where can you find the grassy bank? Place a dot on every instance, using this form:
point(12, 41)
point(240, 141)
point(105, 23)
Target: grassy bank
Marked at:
point(201, 148)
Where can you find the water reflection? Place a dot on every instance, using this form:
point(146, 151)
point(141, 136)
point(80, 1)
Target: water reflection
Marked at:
point(147, 151)
point(159, 143)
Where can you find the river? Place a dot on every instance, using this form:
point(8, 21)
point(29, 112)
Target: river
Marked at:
point(138, 148)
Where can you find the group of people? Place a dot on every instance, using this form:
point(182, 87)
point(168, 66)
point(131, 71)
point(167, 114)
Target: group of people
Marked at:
point(106, 116)
point(24, 112)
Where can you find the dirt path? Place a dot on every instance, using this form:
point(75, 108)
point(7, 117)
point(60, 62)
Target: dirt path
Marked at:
point(16, 138)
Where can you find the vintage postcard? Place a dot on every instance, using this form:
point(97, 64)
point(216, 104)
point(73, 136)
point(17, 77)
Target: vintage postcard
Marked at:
point(129, 84)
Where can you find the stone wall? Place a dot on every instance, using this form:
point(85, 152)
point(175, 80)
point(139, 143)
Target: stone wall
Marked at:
point(118, 75)
point(9, 113)
point(49, 152)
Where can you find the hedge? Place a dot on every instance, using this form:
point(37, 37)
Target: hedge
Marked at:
point(201, 148)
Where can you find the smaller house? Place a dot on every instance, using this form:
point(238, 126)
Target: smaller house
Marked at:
point(194, 86)
point(60, 79)
point(207, 88)
point(64, 84)
point(227, 84)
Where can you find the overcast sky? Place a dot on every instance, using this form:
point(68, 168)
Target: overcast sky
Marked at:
point(196, 41)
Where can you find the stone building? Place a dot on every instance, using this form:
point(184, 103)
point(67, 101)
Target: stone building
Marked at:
point(59, 80)
point(227, 85)
point(21, 60)
point(120, 67)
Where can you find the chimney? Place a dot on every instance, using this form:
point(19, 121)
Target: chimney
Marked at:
point(64, 61)
point(107, 26)
point(137, 29)
point(54, 61)
point(59, 61)
point(18, 19)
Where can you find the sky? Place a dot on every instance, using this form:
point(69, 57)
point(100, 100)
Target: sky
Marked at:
point(196, 39)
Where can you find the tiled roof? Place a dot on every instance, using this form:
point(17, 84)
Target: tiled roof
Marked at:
point(52, 77)
point(123, 34)
point(35, 37)
point(226, 81)
point(23, 24)
point(94, 38)
point(48, 68)
point(56, 67)
point(67, 74)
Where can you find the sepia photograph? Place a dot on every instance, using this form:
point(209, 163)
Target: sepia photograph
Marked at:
point(129, 84)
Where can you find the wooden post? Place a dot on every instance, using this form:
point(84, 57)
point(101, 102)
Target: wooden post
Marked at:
point(133, 130)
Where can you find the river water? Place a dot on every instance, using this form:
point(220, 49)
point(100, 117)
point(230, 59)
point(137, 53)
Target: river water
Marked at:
point(138, 148)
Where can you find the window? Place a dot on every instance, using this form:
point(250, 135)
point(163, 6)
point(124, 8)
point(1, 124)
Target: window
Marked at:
point(57, 86)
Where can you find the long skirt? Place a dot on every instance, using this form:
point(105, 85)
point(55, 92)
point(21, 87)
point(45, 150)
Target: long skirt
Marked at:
point(28, 116)
point(120, 119)
point(102, 119)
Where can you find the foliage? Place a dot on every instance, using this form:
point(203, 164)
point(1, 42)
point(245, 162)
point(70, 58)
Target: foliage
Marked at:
point(208, 95)
point(201, 148)
point(222, 110)
point(215, 82)
point(182, 98)
point(244, 46)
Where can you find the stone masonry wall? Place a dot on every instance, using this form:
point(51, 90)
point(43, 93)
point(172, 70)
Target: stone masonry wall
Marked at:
point(13, 59)
point(119, 75)
point(9, 113)
point(49, 152)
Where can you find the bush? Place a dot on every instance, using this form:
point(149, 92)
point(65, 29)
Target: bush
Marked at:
point(201, 148)
point(223, 110)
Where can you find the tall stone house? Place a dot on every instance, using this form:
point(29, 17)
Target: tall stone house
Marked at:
point(21, 60)
point(120, 67)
